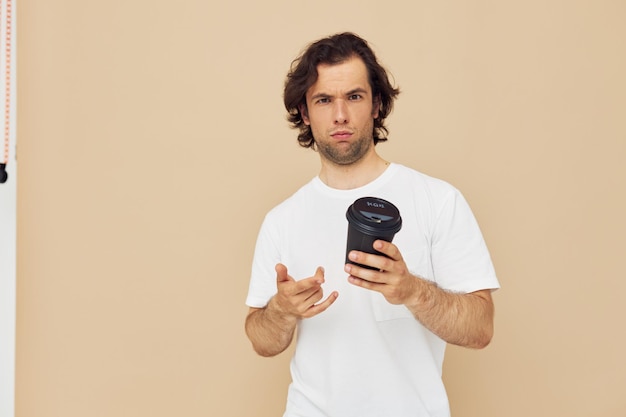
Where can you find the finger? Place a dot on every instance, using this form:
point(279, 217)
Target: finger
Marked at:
point(369, 285)
point(312, 296)
point(388, 249)
point(319, 274)
point(376, 262)
point(304, 288)
point(321, 307)
point(312, 285)
point(366, 274)
point(281, 273)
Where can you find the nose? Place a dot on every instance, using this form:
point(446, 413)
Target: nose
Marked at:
point(340, 112)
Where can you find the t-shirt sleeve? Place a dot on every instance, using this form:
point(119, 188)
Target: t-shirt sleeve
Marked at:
point(263, 276)
point(461, 260)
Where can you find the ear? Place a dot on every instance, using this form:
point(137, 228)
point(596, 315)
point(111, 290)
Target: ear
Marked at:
point(376, 107)
point(304, 113)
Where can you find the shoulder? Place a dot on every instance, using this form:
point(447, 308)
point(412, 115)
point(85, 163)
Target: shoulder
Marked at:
point(291, 203)
point(434, 188)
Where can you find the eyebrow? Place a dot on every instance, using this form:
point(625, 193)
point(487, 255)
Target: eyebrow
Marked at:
point(349, 93)
point(357, 90)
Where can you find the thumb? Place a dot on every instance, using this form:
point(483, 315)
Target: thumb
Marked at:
point(281, 273)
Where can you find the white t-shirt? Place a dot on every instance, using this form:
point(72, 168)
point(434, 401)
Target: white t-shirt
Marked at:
point(364, 357)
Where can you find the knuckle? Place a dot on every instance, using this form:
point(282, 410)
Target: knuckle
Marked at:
point(386, 264)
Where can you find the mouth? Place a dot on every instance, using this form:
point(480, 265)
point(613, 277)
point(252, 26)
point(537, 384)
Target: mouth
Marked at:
point(341, 134)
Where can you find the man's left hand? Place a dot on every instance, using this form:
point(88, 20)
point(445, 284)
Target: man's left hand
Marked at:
point(391, 277)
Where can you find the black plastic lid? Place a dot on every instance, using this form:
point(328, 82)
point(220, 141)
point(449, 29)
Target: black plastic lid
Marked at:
point(374, 215)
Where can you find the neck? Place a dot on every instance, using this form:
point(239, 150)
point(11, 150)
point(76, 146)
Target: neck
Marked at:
point(358, 174)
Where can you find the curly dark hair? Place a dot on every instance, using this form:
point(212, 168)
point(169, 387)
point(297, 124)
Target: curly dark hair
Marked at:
point(333, 50)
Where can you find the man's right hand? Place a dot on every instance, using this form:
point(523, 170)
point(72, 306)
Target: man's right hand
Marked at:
point(298, 298)
point(271, 328)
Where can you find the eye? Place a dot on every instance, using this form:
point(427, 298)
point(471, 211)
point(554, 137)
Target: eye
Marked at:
point(354, 97)
point(322, 100)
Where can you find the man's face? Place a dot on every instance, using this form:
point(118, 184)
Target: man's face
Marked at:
point(341, 112)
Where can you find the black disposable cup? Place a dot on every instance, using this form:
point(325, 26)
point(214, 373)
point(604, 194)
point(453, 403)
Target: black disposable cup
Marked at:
point(370, 219)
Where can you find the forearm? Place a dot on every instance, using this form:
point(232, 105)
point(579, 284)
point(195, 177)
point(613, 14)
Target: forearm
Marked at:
point(460, 319)
point(270, 331)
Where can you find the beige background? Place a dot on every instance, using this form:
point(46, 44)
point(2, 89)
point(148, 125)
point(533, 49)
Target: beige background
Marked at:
point(152, 140)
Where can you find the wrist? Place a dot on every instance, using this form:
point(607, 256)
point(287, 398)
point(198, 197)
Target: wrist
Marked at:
point(422, 298)
point(276, 313)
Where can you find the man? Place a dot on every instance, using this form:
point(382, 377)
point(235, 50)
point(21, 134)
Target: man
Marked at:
point(370, 342)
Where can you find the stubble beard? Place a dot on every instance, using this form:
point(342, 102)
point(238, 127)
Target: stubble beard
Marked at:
point(339, 154)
